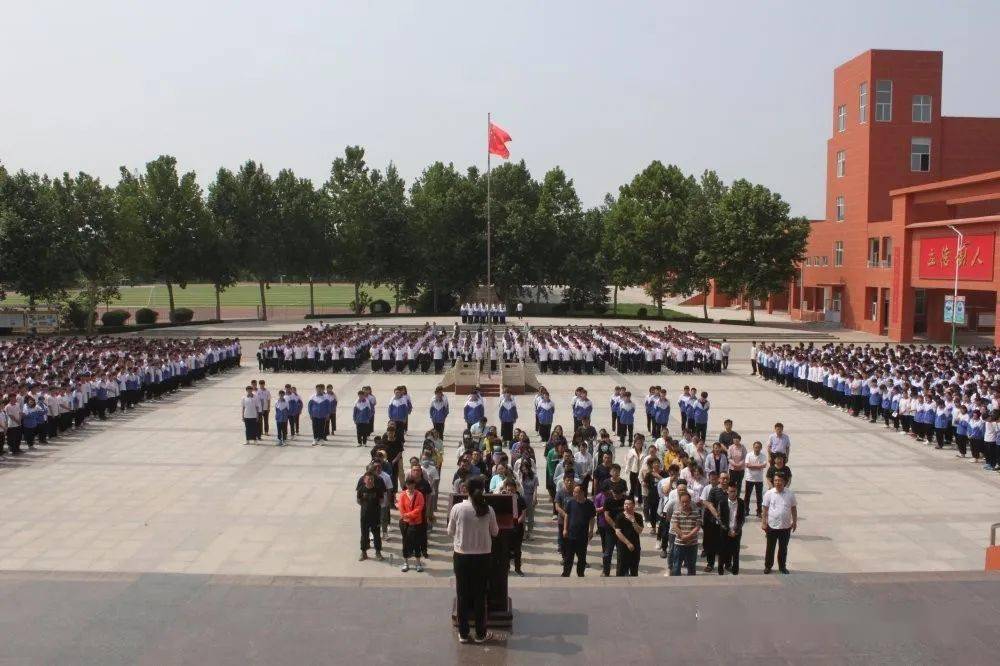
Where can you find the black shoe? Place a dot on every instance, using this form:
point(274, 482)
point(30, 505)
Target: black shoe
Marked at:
point(784, 571)
point(767, 571)
point(484, 638)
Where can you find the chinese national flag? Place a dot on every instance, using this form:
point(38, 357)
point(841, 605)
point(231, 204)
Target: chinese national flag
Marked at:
point(498, 141)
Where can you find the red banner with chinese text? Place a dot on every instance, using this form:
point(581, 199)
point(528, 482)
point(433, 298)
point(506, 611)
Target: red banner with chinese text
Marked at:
point(938, 257)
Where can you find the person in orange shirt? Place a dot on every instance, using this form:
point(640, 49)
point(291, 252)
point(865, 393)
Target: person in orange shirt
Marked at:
point(411, 523)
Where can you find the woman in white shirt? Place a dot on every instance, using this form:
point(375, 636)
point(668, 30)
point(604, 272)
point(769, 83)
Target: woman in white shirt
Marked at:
point(472, 524)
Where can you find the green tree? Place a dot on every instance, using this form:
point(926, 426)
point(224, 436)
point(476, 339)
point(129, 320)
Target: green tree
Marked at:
point(577, 266)
point(350, 204)
point(758, 244)
point(219, 258)
point(697, 239)
point(103, 238)
point(246, 202)
point(32, 245)
point(521, 255)
point(173, 216)
point(654, 207)
point(446, 209)
point(620, 244)
point(302, 243)
point(394, 256)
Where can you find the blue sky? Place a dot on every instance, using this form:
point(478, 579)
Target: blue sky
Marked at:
point(599, 88)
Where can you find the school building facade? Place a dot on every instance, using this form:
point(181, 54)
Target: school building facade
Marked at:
point(902, 182)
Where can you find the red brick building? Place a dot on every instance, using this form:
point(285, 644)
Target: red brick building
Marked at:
point(898, 174)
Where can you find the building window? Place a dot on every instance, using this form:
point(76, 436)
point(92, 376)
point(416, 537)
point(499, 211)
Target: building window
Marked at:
point(873, 252)
point(840, 208)
point(920, 154)
point(863, 103)
point(921, 108)
point(825, 260)
point(841, 163)
point(838, 253)
point(887, 251)
point(883, 100)
point(841, 118)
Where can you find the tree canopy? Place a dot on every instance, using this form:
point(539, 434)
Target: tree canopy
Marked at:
point(665, 230)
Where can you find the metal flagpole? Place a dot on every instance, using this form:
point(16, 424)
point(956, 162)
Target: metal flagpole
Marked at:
point(489, 267)
point(489, 248)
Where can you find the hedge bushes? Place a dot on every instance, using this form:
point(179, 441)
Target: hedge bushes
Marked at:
point(182, 315)
point(115, 317)
point(642, 313)
point(146, 316)
point(380, 307)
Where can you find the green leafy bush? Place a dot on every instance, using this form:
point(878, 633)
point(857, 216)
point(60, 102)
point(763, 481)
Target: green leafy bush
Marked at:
point(642, 313)
point(380, 307)
point(182, 315)
point(115, 317)
point(146, 316)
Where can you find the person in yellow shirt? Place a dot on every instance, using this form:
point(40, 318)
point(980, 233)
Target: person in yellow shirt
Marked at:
point(672, 456)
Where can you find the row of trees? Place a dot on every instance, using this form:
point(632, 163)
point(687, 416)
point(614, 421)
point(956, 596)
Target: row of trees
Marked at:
point(666, 230)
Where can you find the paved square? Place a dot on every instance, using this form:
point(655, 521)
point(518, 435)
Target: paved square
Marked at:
point(173, 489)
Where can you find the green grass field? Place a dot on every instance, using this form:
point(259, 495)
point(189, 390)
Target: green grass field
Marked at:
point(241, 295)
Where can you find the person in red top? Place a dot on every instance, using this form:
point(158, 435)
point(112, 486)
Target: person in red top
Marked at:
point(411, 523)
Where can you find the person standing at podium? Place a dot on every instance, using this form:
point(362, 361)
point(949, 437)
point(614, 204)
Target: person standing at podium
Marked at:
point(472, 524)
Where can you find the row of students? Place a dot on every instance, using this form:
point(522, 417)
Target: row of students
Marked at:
point(49, 397)
point(931, 394)
point(481, 313)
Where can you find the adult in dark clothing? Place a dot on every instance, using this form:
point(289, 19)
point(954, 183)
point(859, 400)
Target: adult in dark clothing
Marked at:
point(370, 492)
point(732, 515)
point(628, 527)
point(578, 530)
point(516, 534)
point(608, 503)
point(392, 440)
point(779, 467)
point(710, 519)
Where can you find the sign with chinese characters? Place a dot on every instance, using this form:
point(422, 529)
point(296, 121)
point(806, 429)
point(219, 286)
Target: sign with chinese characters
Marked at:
point(939, 257)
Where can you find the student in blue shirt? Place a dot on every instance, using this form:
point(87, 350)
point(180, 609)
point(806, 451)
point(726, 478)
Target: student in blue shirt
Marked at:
point(319, 412)
point(886, 406)
point(874, 402)
point(399, 410)
point(362, 416)
point(30, 420)
point(545, 413)
point(942, 420)
point(508, 416)
point(439, 410)
point(962, 430)
point(294, 409)
point(281, 409)
point(977, 434)
point(699, 409)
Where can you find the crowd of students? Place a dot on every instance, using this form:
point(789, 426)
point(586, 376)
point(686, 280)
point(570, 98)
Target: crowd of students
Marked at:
point(431, 348)
point(692, 498)
point(49, 385)
point(933, 394)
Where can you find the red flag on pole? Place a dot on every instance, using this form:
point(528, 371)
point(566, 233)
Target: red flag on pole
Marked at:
point(498, 141)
